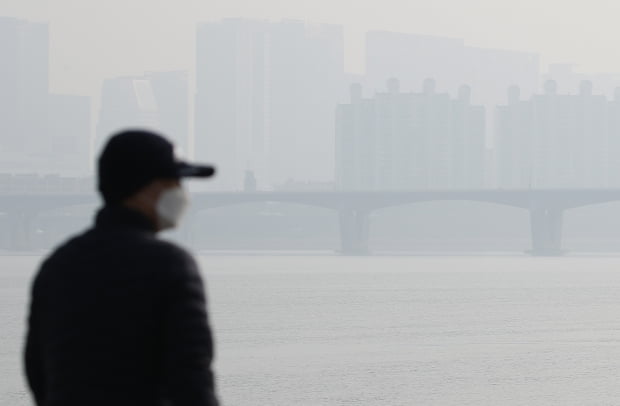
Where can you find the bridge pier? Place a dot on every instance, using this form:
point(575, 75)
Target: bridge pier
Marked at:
point(354, 231)
point(546, 225)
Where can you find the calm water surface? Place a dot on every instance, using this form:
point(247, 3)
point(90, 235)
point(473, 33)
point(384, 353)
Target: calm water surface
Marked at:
point(392, 331)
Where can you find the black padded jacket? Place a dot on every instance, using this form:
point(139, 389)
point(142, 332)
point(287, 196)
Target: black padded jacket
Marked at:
point(118, 317)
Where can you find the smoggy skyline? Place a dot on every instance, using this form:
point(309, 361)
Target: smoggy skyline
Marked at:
point(90, 40)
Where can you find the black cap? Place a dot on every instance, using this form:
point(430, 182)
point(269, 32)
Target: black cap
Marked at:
point(131, 159)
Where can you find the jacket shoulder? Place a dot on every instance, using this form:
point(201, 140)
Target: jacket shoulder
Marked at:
point(65, 250)
point(91, 245)
point(172, 259)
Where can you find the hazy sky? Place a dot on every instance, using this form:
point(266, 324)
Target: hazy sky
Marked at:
point(95, 39)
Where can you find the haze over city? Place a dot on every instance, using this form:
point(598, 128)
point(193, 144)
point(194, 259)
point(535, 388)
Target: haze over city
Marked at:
point(91, 40)
point(415, 202)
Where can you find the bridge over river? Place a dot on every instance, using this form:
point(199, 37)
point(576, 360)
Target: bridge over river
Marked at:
point(545, 206)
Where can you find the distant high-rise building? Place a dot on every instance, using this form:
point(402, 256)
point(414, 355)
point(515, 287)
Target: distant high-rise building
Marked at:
point(400, 141)
point(412, 58)
point(39, 132)
point(232, 99)
point(514, 141)
point(265, 98)
point(24, 71)
point(568, 80)
point(556, 140)
point(157, 100)
point(69, 127)
point(613, 120)
point(171, 91)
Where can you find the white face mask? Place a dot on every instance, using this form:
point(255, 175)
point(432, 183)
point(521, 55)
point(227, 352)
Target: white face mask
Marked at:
point(171, 206)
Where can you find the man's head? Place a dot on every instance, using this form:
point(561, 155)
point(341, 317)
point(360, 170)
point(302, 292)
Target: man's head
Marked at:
point(137, 168)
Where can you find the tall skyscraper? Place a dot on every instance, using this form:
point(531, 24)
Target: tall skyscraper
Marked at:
point(39, 132)
point(265, 100)
point(402, 141)
point(613, 157)
point(24, 71)
point(157, 100)
point(232, 99)
point(306, 77)
point(69, 128)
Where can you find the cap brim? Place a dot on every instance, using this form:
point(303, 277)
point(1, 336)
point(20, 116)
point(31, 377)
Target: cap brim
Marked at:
point(187, 170)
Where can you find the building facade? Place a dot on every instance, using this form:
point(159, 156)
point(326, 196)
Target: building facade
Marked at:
point(412, 58)
point(554, 140)
point(69, 128)
point(156, 100)
point(265, 98)
point(24, 71)
point(405, 141)
point(39, 132)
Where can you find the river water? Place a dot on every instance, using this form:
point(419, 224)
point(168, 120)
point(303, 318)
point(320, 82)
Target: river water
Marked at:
point(321, 330)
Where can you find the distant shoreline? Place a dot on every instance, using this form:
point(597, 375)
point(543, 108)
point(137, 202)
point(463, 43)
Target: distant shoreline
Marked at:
point(328, 253)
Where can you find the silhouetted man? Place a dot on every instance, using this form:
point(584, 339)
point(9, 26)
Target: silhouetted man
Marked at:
point(118, 316)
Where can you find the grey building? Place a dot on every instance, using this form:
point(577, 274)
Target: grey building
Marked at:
point(24, 71)
point(401, 141)
point(156, 100)
point(232, 99)
point(412, 58)
point(265, 98)
point(556, 140)
point(613, 157)
point(69, 129)
point(514, 142)
point(39, 132)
